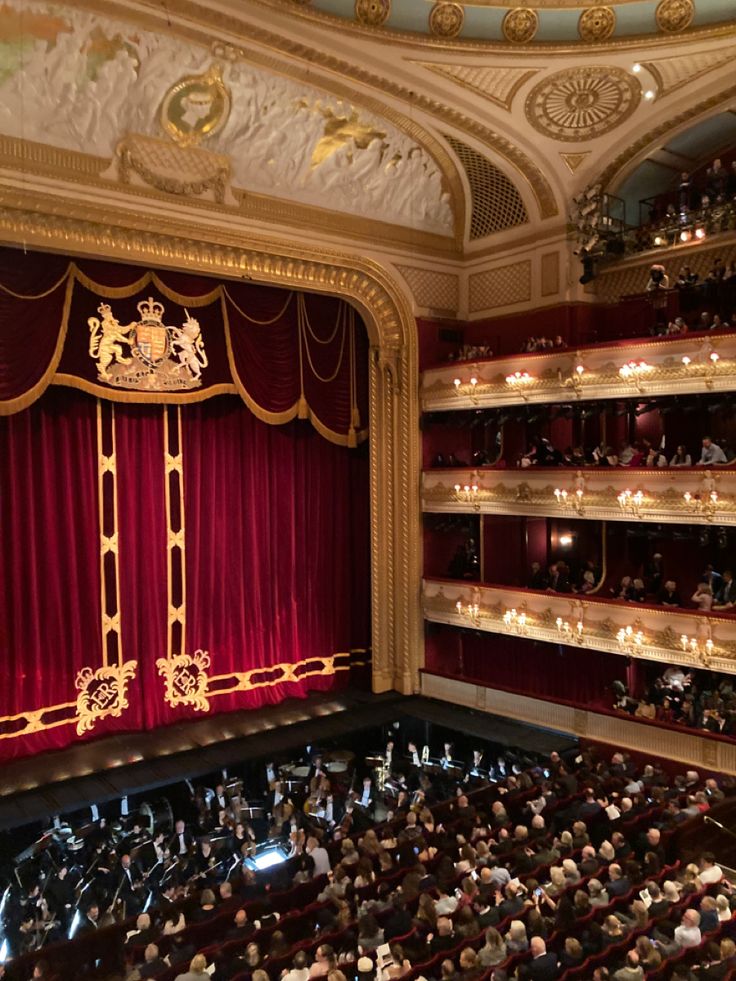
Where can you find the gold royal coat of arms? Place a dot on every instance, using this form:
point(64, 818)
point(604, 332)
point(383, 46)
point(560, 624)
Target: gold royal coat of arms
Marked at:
point(147, 354)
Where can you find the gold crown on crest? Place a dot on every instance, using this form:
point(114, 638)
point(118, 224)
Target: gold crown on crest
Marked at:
point(151, 311)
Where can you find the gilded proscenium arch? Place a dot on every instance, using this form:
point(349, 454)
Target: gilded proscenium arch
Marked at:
point(236, 32)
point(47, 222)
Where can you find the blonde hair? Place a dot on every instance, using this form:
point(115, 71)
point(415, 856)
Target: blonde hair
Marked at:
point(517, 930)
point(198, 964)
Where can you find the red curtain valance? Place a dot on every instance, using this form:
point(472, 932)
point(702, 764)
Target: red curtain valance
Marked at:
point(132, 335)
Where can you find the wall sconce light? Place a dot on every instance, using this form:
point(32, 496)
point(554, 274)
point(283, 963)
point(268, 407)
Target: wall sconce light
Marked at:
point(515, 622)
point(573, 501)
point(565, 540)
point(631, 503)
point(706, 505)
point(566, 632)
point(466, 389)
point(470, 612)
point(520, 382)
point(636, 372)
point(630, 640)
point(468, 494)
point(700, 234)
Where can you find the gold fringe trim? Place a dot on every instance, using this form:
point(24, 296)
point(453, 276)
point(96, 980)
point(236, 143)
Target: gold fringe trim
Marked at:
point(37, 296)
point(252, 320)
point(10, 406)
point(154, 398)
point(123, 292)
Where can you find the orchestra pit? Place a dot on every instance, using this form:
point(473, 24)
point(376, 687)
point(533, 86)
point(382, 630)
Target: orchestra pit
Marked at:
point(367, 490)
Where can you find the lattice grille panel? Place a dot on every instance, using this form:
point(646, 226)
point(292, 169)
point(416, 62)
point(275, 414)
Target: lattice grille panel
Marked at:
point(496, 204)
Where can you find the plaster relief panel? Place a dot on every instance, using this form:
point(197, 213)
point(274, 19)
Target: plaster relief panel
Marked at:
point(84, 82)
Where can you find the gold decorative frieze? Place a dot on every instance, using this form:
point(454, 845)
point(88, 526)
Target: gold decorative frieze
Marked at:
point(653, 367)
point(683, 496)
point(597, 24)
point(649, 633)
point(674, 15)
point(446, 20)
point(520, 25)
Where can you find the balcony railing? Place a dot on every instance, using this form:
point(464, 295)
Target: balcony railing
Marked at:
point(687, 495)
point(653, 633)
point(688, 364)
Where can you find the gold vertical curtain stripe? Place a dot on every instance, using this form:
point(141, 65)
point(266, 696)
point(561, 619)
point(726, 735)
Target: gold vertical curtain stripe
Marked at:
point(344, 319)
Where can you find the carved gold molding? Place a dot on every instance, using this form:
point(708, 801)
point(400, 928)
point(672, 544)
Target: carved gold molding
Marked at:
point(687, 746)
point(674, 496)
point(630, 629)
point(71, 226)
point(646, 367)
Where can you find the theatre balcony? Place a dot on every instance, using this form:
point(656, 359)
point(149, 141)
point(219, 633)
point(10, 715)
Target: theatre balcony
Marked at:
point(693, 363)
point(689, 495)
point(654, 633)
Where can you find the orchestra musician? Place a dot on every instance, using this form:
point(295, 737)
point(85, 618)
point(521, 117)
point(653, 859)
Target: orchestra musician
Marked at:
point(220, 802)
point(182, 841)
point(129, 879)
point(242, 840)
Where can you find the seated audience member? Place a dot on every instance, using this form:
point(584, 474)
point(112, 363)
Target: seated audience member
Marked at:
point(543, 964)
point(668, 595)
point(153, 963)
point(709, 871)
point(516, 938)
point(681, 458)
point(711, 452)
point(687, 934)
point(572, 954)
point(725, 598)
point(632, 970)
point(197, 970)
point(702, 597)
point(494, 949)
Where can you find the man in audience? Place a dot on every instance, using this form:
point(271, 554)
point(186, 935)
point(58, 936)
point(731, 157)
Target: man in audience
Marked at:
point(542, 966)
point(632, 970)
point(618, 884)
point(725, 597)
point(709, 871)
point(668, 595)
point(242, 929)
point(711, 452)
point(153, 963)
point(687, 933)
point(319, 856)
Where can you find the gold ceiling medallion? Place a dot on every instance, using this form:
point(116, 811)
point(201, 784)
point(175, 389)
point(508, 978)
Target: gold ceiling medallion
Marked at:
point(674, 15)
point(446, 20)
point(582, 103)
point(520, 25)
point(158, 358)
point(372, 13)
point(573, 160)
point(102, 693)
point(196, 107)
point(597, 24)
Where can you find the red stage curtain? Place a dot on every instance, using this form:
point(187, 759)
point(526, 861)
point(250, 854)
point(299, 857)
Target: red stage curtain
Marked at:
point(276, 559)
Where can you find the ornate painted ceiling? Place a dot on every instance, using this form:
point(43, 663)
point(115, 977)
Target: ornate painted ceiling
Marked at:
point(346, 120)
point(514, 21)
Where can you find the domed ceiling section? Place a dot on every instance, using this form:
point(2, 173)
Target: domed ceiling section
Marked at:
point(520, 22)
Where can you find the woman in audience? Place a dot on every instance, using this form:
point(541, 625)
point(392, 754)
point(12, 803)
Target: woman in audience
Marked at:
point(426, 916)
point(466, 925)
point(649, 957)
point(467, 859)
point(370, 934)
point(516, 938)
point(703, 597)
point(494, 949)
point(572, 954)
point(557, 882)
point(537, 925)
point(612, 930)
point(565, 915)
point(723, 907)
point(364, 874)
point(581, 904)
